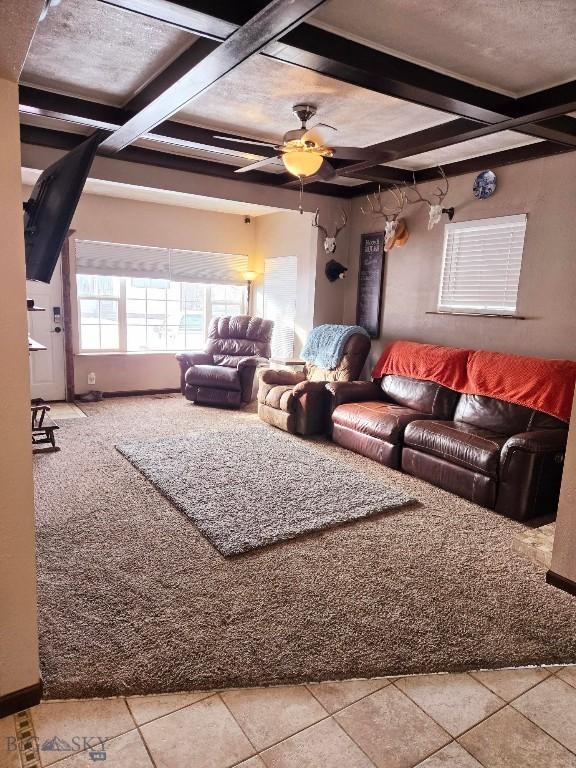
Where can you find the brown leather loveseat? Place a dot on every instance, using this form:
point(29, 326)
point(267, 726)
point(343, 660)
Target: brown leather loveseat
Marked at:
point(224, 373)
point(498, 454)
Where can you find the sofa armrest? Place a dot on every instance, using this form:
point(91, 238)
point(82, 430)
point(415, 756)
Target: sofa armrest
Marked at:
point(308, 387)
point(282, 378)
point(539, 442)
point(194, 358)
point(531, 473)
point(186, 361)
point(251, 362)
point(352, 392)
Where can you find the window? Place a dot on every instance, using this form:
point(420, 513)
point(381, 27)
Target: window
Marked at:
point(136, 298)
point(132, 314)
point(98, 310)
point(280, 303)
point(481, 265)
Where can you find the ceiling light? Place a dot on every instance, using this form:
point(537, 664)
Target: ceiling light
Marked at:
point(302, 163)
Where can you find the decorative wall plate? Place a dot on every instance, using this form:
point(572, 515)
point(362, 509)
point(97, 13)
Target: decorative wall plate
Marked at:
point(484, 185)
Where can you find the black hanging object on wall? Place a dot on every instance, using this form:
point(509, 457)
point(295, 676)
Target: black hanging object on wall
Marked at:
point(334, 270)
point(449, 212)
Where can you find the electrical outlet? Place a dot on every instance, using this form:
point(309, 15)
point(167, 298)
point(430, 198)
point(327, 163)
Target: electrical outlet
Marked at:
point(92, 378)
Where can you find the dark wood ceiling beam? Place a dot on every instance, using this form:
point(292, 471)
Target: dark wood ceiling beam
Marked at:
point(548, 103)
point(66, 141)
point(33, 101)
point(179, 15)
point(274, 21)
point(495, 160)
point(475, 164)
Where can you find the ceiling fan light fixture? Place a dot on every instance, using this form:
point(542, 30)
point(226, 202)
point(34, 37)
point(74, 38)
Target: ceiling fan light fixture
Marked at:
point(302, 163)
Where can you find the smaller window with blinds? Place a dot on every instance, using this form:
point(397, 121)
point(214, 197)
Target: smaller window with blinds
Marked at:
point(481, 266)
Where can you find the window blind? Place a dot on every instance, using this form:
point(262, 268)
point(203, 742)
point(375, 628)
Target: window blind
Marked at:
point(481, 265)
point(120, 260)
point(280, 285)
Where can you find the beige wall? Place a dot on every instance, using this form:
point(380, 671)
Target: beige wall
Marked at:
point(18, 631)
point(289, 234)
point(546, 191)
point(564, 554)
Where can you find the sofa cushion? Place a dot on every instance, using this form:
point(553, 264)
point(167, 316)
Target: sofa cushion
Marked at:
point(384, 421)
point(424, 396)
point(463, 444)
point(280, 397)
point(495, 415)
point(217, 376)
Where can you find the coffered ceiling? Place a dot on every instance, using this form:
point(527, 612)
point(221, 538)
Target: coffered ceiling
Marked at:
point(514, 46)
point(415, 84)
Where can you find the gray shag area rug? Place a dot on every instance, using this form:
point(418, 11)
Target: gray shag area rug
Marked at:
point(133, 599)
point(251, 486)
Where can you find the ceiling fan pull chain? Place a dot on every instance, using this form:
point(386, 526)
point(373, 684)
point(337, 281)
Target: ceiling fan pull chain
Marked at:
point(301, 194)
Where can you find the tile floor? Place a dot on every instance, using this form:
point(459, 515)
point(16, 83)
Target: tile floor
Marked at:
point(536, 544)
point(511, 718)
point(60, 411)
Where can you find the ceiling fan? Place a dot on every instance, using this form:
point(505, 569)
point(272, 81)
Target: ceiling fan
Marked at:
point(304, 151)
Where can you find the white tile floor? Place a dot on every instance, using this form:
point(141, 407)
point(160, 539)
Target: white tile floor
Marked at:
point(515, 718)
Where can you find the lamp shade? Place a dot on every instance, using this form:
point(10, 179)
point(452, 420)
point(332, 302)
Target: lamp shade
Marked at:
point(249, 276)
point(302, 163)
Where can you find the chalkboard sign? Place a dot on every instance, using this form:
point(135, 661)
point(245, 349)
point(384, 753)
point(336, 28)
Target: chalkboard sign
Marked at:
point(370, 283)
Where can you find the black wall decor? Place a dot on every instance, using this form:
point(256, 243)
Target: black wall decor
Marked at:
point(368, 306)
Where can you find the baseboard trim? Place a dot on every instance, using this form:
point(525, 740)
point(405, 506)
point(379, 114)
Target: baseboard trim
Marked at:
point(16, 701)
point(561, 582)
point(136, 392)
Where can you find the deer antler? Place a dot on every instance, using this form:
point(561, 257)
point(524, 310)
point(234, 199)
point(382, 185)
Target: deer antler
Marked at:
point(317, 225)
point(340, 227)
point(377, 207)
point(419, 199)
point(440, 193)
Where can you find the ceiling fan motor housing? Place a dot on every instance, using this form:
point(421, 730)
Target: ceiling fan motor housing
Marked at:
point(304, 112)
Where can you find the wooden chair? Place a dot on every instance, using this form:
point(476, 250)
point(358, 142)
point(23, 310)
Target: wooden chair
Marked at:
point(42, 426)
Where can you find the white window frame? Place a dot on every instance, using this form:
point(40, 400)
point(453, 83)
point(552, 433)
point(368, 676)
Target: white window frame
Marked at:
point(513, 265)
point(123, 323)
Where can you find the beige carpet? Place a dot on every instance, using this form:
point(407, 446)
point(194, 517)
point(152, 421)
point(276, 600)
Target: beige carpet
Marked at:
point(133, 599)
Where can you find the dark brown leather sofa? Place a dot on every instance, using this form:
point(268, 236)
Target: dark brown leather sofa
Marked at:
point(299, 402)
point(499, 455)
point(224, 373)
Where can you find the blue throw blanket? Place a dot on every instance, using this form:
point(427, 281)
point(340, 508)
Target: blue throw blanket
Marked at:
point(325, 344)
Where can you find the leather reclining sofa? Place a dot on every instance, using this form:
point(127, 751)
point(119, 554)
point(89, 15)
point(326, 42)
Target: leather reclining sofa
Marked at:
point(495, 453)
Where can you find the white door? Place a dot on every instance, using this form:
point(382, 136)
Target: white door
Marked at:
point(47, 367)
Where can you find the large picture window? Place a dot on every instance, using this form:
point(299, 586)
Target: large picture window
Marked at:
point(135, 298)
point(134, 314)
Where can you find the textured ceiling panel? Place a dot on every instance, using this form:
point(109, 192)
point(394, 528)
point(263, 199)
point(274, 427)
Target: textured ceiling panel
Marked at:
point(95, 51)
point(517, 46)
point(18, 20)
point(256, 100)
point(497, 142)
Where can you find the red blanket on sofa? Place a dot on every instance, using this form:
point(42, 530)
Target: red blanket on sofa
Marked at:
point(545, 385)
point(429, 362)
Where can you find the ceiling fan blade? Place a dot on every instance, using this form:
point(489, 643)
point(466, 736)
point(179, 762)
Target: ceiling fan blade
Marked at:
point(258, 164)
point(245, 141)
point(352, 153)
point(326, 172)
point(320, 134)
